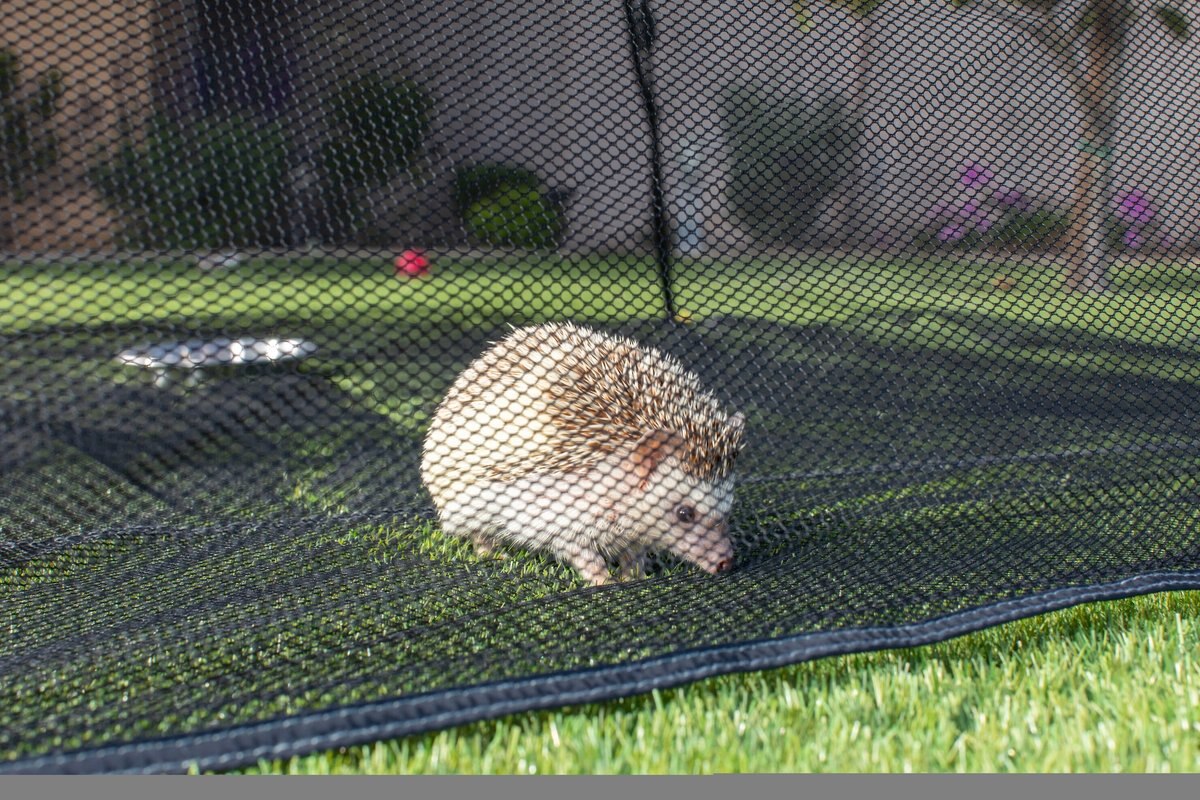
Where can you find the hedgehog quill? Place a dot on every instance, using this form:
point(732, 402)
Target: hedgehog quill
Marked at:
point(589, 446)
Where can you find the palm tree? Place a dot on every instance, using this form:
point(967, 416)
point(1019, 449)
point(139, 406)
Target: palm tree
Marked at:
point(1087, 41)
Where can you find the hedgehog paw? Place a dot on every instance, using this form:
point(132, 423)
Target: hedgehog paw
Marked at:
point(592, 567)
point(631, 565)
point(486, 547)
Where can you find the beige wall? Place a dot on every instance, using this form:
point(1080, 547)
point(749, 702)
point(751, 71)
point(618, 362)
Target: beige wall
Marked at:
point(548, 84)
point(543, 84)
point(103, 49)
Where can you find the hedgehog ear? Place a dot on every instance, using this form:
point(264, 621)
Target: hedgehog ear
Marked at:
point(738, 423)
point(650, 451)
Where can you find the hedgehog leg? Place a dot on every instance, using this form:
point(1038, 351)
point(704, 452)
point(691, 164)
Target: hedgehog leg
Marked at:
point(592, 566)
point(486, 547)
point(632, 564)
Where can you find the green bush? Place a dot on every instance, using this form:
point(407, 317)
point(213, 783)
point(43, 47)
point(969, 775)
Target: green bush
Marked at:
point(222, 180)
point(28, 144)
point(377, 125)
point(516, 216)
point(506, 206)
point(477, 181)
point(209, 183)
point(1034, 230)
point(787, 155)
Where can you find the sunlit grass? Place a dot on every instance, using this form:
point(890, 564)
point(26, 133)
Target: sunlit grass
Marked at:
point(1110, 687)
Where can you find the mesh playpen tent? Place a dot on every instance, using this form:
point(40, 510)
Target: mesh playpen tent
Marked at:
point(942, 257)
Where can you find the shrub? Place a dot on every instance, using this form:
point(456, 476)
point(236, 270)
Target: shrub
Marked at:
point(479, 180)
point(377, 125)
point(515, 216)
point(28, 144)
point(1137, 223)
point(210, 183)
point(506, 206)
point(984, 215)
point(787, 155)
point(1037, 229)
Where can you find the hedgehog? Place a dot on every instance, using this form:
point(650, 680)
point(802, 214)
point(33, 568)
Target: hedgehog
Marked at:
point(587, 445)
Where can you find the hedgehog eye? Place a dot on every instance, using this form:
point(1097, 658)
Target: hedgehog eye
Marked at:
point(685, 513)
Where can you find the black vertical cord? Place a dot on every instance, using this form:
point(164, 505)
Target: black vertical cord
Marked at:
point(641, 39)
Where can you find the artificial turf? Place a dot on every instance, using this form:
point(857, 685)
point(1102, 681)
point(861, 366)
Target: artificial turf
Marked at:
point(1108, 686)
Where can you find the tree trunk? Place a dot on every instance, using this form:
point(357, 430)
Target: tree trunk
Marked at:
point(1086, 245)
point(849, 203)
point(7, 229)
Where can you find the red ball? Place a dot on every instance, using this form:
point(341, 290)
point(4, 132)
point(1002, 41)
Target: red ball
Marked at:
point(412, 263)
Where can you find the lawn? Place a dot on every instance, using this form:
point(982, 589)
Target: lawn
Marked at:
point(847, 348)
point(1109, 687)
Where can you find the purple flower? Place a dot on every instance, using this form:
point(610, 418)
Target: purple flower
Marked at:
point(885, 239)
point(1133, 239)
point(974, 175)
point(968, 209)
point(984, 224)
point(952, 233)
point(1134, 206)
point(1012, 198)
point(939, 209)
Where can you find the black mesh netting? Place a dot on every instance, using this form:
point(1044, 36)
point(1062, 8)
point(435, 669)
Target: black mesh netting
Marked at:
point(941, 257)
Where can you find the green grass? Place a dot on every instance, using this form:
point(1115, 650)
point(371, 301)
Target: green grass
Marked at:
point(1108, 687)
point(1152, 305)
point(1113, 686)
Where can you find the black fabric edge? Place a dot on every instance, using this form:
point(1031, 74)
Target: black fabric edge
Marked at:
point(350, 725)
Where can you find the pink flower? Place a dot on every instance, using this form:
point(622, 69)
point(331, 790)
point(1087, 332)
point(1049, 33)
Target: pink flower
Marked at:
point(952, 233)
point(1012, 198)
point(1134, 206)
point(412, 263)
point(1133, 239)
point(973, 175)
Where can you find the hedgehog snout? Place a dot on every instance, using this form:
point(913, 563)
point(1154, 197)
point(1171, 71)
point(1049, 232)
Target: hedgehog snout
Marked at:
point(717, 556)
point(723, 565)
